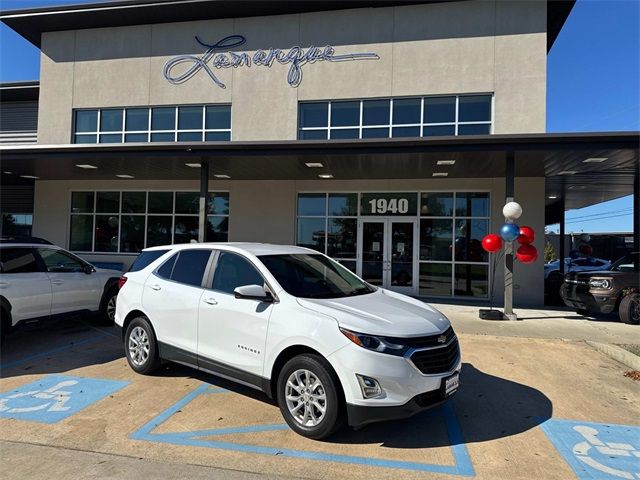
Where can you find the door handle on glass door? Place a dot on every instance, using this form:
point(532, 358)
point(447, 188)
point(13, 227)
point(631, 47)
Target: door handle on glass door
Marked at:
point(57, 282)
point(210, 301)
point(155, 287)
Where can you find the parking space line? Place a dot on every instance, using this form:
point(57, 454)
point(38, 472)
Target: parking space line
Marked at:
point(462, 466)
point(92, 339)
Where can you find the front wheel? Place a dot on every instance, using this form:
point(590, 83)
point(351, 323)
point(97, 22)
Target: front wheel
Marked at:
point(141, 347)
point(309, 397)
point(629, 309)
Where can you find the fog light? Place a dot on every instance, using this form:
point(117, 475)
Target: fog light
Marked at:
point(369, 386)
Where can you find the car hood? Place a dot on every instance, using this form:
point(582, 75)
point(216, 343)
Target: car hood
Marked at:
point(383, 313)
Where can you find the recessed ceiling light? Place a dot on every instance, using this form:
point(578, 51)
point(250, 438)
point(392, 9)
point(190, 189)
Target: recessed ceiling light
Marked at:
point(221, 175)
point(314, 165)
point(577, 187)
point(193, 165)
point(8, 173)
point(567, 172)
point(595, 160)
point(31, 177)
point(325, 175)
point(125, 176)
point(552, 197)
point(446, 162)
point(439, 174)
point(86, 166)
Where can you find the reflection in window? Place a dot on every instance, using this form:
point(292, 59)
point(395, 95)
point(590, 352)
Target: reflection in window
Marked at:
point(435, 239)
point(471, 280)
point(435, 279)
point(311, 233)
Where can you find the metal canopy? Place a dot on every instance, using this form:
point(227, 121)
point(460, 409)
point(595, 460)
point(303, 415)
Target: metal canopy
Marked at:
point(32, 22)
point(554, 156)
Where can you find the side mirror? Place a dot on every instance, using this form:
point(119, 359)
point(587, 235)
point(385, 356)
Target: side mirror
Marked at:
point(253, 292)
point(88, 268)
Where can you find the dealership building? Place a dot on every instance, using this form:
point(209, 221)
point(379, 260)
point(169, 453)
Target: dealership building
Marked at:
point(388, 135)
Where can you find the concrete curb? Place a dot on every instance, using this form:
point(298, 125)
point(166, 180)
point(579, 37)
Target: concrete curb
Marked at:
point(617, 353)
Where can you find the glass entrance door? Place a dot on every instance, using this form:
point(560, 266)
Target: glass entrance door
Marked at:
point(386, 253)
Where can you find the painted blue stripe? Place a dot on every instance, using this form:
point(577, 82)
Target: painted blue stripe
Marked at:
point(53, 350)
point(462, 466)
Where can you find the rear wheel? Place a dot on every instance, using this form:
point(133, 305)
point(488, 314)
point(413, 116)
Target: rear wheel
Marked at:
point(108, 306)
point(629, 309)
point(309, 397)
point(141, 347)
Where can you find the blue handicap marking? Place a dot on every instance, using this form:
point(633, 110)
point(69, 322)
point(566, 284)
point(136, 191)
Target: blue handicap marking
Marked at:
point(55, 397)
point(595, 450)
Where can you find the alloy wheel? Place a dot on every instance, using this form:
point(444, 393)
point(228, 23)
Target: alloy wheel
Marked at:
point(139, 346)
point(111, 308)
point(306, 398)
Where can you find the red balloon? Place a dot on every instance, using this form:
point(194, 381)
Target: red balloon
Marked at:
point(527, 254)
point(586, 250)
point(492, 243)
point(527, 236)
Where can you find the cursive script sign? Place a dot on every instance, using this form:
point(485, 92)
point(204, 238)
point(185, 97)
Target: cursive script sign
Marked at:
point(215, 57)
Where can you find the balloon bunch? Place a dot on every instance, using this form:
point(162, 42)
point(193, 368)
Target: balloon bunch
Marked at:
point(509, 232)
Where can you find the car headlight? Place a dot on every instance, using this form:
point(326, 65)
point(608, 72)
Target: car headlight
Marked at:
point(600, 283)
point(374, 343)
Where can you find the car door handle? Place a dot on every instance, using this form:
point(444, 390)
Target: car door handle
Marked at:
point(210, 301)
point(57, 282)
point(155, 287)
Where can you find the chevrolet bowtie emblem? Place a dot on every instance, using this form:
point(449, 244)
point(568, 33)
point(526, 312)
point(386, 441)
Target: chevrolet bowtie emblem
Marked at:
point(442, 338)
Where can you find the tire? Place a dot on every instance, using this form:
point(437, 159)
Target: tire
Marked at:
point(629, 309)
point(141, 360)
point(5, 324)
point(583, 312)
point(108, 306)
point(302, 370)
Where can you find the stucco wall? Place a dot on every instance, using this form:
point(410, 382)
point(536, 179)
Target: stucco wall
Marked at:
point(447, 48)
point(271, 217)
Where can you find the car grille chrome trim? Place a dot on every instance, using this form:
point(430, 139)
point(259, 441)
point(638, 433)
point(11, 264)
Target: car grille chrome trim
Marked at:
point(438, 360)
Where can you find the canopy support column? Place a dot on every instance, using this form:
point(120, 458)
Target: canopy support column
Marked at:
point(204, 193)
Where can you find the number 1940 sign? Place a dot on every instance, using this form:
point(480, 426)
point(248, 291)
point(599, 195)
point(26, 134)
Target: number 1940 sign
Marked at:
point(388, 204)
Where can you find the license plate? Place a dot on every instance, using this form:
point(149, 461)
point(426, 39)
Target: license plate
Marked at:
point(451, 384)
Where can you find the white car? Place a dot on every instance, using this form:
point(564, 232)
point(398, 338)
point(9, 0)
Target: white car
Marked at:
point(39, 282)
point(293, 323)
point(582, 264)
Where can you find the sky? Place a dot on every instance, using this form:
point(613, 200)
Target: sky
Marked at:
point(593, 83)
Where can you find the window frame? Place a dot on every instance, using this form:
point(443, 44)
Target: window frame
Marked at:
point(208, 285)
point(120, 214)
point(390, 125)
point(40, 265)
point(148, 131)
point(176, 254)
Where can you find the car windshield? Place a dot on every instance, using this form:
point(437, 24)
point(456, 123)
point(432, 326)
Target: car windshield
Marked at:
point(628, 263)
point(314, 276)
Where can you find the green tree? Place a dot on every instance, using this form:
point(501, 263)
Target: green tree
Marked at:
point(549, 253)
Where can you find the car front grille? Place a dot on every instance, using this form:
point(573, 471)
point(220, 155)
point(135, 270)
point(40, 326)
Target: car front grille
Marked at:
point(437, 359)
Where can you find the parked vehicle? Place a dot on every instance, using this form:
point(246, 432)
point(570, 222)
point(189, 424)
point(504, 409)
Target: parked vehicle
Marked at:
point(582, 264)
point(606, 291)
point(39, 281)
point(293, 323)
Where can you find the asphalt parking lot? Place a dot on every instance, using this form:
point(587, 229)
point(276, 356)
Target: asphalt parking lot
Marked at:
point(528, 408)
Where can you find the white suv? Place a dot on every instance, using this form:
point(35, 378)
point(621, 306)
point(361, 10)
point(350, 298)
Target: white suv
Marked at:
point(293, 323)
point(40, 281)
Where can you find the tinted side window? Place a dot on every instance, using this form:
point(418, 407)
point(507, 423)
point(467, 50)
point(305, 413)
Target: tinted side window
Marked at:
point(60, 262)
point(167, 267)
point(190, 267)
point(145, 259)
point(233, 271)
point(18, 260)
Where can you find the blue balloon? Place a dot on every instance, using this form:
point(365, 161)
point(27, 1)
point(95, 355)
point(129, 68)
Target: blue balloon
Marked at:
point(509, 232)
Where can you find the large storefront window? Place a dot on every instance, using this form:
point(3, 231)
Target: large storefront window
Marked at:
point(188, 123)
point(127, 222)
point(396, 117)
point(448, 259)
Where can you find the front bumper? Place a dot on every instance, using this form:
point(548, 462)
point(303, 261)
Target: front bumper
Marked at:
point(582, 299)
point(359, 416)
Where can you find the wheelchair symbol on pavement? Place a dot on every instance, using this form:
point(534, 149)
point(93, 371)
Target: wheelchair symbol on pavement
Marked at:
point(595, 450)
point(55, 397)
point(581, 451)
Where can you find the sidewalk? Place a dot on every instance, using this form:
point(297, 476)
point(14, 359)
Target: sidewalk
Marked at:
point(556, 323)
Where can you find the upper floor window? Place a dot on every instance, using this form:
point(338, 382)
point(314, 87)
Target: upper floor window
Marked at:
point(396, 117)
point(187, 123)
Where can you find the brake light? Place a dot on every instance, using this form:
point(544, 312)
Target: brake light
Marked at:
point(121, 281)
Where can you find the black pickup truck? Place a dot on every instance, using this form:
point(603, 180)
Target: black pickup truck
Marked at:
point(606, 291)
